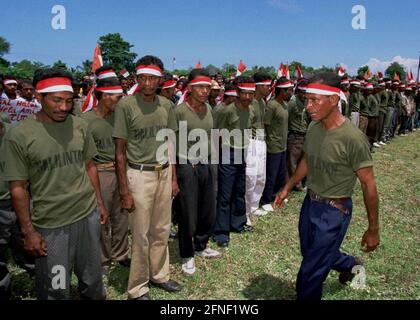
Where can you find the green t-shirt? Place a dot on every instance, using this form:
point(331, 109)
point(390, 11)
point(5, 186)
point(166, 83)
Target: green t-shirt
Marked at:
point(298, 117)
point(276, 126)
point(374, 105)
point(355, 99)
point(259, 109)
point(101, 129)
point(4, 185)
point(201, 148)
point(51, 156)
point(234, 119)
point(384, 96)
point(139, 122)
point(364, 105)
point(333, 158)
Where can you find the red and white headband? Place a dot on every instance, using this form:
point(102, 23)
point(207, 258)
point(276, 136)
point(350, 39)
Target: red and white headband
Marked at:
point(150, 69)
point(285, 85)
point(344, 82)
point(55, 84)
point(168, 84)
point(323, 89)
point(107, 74)
point(355, 83)
point(263, 83)
point(369, 86)
point(247, 86)
point(113, 89)
point(203, 80)
point(231, 93)
point(10, 81)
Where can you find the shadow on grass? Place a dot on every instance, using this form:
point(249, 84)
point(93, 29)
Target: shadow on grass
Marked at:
point(118, 278)
point(23, 286)
point(268, 287)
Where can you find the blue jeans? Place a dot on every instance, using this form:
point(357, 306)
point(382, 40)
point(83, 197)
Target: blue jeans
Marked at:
point(321, 231)
point(276, 176)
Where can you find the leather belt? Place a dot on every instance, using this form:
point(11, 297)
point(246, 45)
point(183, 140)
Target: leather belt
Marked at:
point(102, 166)
point(333, 202)
point(148, 167)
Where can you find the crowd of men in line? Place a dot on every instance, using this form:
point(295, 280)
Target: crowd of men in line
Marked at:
point(76, 182)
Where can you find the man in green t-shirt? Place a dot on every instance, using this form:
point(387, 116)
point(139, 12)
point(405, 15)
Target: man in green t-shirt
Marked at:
point(297, 125)
point(53, 151)
point(10, 235)
point(396, 100)
point(114, 235)
point(276, 126)
point(234, 124)
point(229, 96)
point(383, 110)
point(146, 180)
point(257, 150)
point(354, 101)
point(195, 173)
point(336, 153)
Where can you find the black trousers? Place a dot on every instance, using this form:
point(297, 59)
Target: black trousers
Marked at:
point(196, 206)
point(231, 208)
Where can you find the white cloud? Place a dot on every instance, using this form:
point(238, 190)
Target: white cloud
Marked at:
point(285, 5)
point(378, 65)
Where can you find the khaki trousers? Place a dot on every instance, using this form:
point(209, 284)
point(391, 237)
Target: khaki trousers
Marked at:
point(150, 225)
point(363, 123)
point(114, 234)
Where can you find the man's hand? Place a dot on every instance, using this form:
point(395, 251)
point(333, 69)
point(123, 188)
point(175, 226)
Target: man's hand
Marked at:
point(103, 214)
point(281, 196)
point(175, 188)
point(127, 202)
point(35, 244)
point(370, 241)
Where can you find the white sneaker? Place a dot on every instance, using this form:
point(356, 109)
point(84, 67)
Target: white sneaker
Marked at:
point(259, 212)
point(208, 253)
point(268, 207)
point(382, 143)
point(188, 265)
point(376, 145)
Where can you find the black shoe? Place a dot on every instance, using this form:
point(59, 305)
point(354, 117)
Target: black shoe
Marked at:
point(169, 286)
point(223, 244)
point(146, 296)
point(125, 263)
point(347, 276)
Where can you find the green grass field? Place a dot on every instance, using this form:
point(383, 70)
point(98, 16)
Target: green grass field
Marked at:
point(263, 264)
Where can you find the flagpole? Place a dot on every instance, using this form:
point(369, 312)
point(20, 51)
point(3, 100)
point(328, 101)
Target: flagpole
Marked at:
point(418, 69)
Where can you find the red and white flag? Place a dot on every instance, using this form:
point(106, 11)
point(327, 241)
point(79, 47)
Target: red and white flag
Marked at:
point(125, 73)
point(91, 101)
point(298, 72)
point(133, 90)
point(97, 59)
point(341, 71)
point(410, 77)
point(198, 65)
point(241, 68)
point(283, 71)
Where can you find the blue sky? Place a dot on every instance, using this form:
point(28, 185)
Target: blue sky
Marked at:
point(261, 32)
